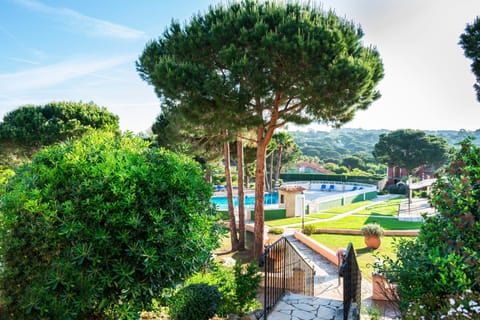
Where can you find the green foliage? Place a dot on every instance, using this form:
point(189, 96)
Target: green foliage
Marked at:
point(276, 231)
point(255, 70)
point(98, 226)
point(247, 282)
point(237, 286)
point(372, 179)
point(5, 175)
point(36, 126)
point(398, 189)
point(456, 306)
point(372, 230)
point(470, 41)
point(224, 279)
point(309, 229)
point(198, 301)
point(338, 74)
point(336, 144)
point(444, 260)
point(28, 128)
point(410, 149)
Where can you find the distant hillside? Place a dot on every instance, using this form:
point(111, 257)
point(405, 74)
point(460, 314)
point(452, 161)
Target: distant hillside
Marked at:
point(335, 145)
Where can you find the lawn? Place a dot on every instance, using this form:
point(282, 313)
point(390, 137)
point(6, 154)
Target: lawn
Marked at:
point(356, 222)
point(365, 256)
point(387, 208)
point(322, 215)
point(286, 221)
point(348, 207)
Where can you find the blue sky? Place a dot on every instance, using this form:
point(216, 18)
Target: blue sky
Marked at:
point(85, 50)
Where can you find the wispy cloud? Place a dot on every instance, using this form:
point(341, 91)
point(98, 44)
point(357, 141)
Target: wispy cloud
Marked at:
point(83, 23)
point(24, 60)
point(19, 83)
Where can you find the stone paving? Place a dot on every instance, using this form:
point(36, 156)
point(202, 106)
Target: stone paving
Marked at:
point(298, 307)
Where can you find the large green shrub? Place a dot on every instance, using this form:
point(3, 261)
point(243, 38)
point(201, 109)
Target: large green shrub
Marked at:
point(95, 228)
point(444, 260)
point(237, 285)
point(198, 301)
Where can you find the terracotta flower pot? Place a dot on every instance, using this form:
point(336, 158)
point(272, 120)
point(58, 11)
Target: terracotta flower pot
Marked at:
point(373, 242)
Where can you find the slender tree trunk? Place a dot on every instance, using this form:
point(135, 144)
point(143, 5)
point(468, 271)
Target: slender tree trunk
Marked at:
point(231, 210)
point(241, 194)
point(279, 164)
point(208, 174)
point(409, 191)
point(272, 156)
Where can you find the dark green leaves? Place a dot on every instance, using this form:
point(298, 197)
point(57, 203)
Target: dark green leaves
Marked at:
point(110, 220)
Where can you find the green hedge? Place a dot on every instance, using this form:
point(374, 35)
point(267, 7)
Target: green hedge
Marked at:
point(271, 214)
point(372, 179)
point(359, 197)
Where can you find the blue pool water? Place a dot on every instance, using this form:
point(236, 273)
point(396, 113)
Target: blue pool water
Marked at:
point(222, 202)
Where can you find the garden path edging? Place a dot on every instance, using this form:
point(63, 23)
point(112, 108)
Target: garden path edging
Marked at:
point(322, 250)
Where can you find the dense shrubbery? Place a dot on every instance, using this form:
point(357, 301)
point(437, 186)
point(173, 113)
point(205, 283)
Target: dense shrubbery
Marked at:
point(398, 189)
point(237, 286)
point(95, 228)
point(444, 260)
point(198, 301)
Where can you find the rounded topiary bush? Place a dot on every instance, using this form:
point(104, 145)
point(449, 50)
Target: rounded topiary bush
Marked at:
point(95, 228)
point(198, 301)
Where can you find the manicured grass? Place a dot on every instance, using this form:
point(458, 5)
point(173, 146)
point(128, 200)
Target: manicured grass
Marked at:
point(356, 222)
point(365, 256)
point(287, 221)
point(387, 208)
point(348, 207)
point(322, 215)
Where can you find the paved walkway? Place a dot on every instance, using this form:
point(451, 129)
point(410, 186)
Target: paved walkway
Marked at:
point(414, 210)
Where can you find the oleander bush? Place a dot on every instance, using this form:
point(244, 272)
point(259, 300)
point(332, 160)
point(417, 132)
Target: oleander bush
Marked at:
point(95, 228)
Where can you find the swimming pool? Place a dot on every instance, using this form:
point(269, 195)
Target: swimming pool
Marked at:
point(222, 201)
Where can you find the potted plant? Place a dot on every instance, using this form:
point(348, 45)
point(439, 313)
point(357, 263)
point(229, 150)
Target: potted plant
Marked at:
point(372, 233)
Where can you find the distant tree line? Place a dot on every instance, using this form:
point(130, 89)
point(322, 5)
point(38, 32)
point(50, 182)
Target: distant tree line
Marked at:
point(343, 150)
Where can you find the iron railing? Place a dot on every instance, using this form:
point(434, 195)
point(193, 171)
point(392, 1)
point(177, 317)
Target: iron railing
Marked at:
point(285, 271)
point(352, 282)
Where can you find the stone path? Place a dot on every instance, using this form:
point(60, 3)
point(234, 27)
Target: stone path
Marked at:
point(298, 307)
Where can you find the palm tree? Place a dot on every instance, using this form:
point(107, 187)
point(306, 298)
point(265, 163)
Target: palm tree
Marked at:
point(283, 142)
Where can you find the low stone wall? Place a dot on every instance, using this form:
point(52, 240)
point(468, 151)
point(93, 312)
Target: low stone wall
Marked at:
point(398, 233)
point(324, 251)
point(331, 255)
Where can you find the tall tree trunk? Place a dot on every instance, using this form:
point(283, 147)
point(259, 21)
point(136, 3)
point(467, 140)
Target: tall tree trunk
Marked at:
point(231, 210)
point(279, 164)
point(208, 174)
point(272, 156)
point(263, 138)
point(241, 194)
